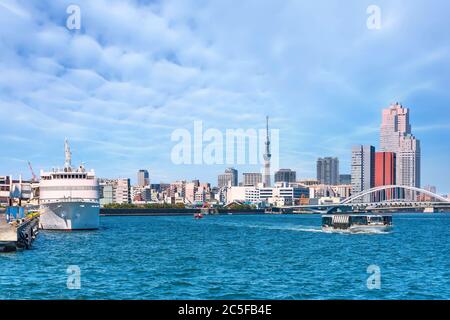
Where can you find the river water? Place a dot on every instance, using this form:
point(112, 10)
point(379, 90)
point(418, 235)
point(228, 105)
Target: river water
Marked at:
point(233, 257)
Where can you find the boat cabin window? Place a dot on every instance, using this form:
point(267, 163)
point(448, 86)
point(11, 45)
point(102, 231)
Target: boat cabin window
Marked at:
point(327, 221)
point(387, 220)
point(376, 219)
point(359, 220)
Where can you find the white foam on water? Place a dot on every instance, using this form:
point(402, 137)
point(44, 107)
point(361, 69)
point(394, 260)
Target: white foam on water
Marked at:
point(303, 228)
point(298, 228)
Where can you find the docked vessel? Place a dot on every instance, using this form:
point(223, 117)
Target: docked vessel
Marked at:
point(69, 197)
point(357, 223)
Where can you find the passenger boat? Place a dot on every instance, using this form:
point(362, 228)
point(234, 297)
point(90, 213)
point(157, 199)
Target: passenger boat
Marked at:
point(357, 223)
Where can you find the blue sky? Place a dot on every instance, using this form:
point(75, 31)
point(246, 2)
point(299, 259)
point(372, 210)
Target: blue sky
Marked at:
point(138, 70)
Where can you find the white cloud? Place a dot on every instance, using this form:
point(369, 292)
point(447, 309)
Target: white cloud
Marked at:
point(137, 70)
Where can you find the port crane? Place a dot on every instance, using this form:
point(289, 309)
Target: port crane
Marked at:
point(34, 178)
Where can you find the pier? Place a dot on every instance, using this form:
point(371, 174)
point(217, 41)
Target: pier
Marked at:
point(17, 230)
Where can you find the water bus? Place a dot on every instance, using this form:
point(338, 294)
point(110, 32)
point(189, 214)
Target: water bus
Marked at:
point(357, 222)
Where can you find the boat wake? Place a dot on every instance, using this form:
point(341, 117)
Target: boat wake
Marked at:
point(374, 232)
point(297, 228)
point(305, 228)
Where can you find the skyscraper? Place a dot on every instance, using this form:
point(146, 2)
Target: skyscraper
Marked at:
point(363, 168)
point(396, 136)
point(328, 170)
point(385, 167)
point(143, 178)
point(267, 157)
point(229, 178)
point(285, 175)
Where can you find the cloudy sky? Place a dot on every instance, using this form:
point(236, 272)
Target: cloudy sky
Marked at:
point(138, 70)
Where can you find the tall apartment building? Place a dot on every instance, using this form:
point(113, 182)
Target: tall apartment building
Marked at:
point(328, 170)
point(122, 191)
point(177, 189)
point(190, 190)
point(363, 168)
point(396, 136)
point(114, 191)
point(285, 175)
point(143, 178)
point(229, 178)
point(252, 178)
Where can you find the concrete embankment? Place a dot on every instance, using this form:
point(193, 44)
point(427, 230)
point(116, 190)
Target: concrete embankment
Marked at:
point(19, 234)
point(171, 212)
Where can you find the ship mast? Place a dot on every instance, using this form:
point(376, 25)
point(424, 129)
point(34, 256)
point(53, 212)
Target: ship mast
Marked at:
point(68, 156)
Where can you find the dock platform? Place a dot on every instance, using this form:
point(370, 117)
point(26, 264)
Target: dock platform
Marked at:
point(17, 234)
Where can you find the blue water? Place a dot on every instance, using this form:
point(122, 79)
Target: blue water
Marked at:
point(233, 257)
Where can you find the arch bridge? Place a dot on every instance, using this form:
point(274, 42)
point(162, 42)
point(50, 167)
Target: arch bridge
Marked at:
point(394, 194)
point(383, 198)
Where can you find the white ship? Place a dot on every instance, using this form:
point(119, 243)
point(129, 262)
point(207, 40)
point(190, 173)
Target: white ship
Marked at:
point(69, 198)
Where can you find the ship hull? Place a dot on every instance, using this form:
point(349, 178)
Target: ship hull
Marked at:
point(69, 216)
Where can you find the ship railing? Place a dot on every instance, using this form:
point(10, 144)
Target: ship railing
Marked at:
point(69, 200)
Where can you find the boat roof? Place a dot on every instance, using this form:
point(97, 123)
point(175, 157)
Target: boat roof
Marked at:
point(356, 215)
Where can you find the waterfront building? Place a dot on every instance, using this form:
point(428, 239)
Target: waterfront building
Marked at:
point(396, 136)
point(229, 178)
point(328, 170)
point(177, 190)
point(220, 195)
point(323, 190)
point(196, 192)
point(408, 173)
point(141, 194)
point(115, 191)
point(251, 178)
point(190, 190)
point(309, 182)
point(342, 190)
point(243, 194)
point(363, 168)
point(285, 175)
point(143, 178)
point(203, 193)
point(262, 194)
point(345, 179)
point(122, 191)
point(105, 193)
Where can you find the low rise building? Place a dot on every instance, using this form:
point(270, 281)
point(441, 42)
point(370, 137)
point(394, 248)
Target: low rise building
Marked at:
point(259, 194)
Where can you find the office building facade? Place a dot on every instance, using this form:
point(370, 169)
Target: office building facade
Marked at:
point(328, 170)
point(285, 175)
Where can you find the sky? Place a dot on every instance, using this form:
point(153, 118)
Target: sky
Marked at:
point(136, 71)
